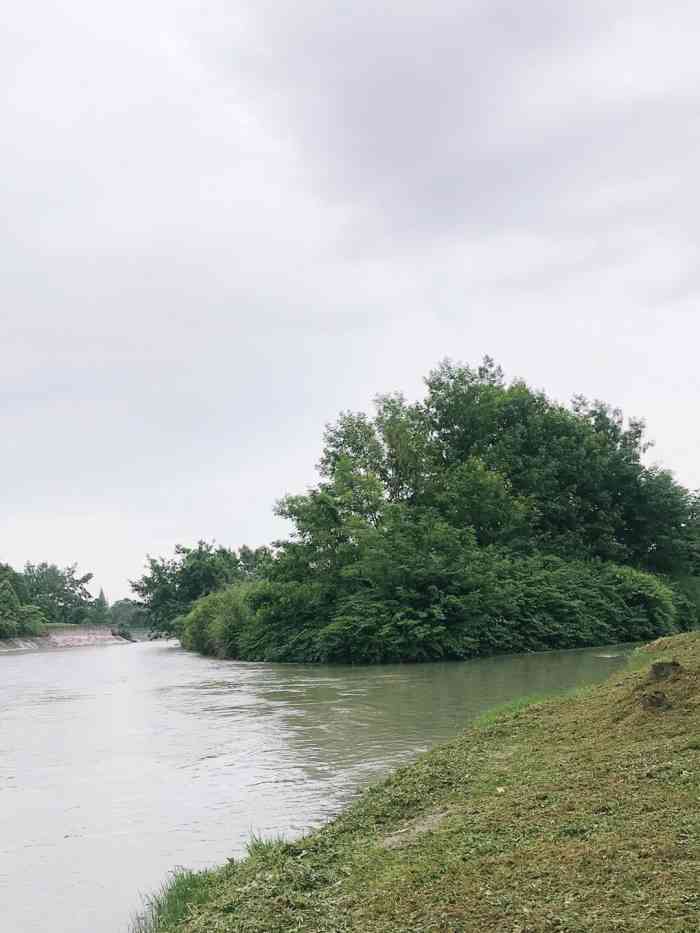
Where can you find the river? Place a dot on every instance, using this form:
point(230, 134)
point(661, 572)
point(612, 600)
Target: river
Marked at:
point(118, 763)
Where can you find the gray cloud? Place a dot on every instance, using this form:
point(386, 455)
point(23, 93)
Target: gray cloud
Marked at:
point(224, 224)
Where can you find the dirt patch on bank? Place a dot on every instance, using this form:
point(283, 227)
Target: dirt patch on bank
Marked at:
point(414, 829)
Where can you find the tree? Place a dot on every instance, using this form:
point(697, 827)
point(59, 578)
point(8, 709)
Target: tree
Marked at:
point(580, 470)
point(253, 563)
point(98, 612)
point(61, 594)
point(16, 581)
point(170, 586)
point(16, 619)
point(127, 613)
point(9, 610)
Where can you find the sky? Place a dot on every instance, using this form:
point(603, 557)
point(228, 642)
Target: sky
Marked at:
point(227, 222)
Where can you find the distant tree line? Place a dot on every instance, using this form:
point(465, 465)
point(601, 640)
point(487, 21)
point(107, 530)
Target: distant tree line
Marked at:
point(484, 518)
point(44, 594)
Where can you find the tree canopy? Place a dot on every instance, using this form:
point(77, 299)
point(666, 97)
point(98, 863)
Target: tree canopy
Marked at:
point(60, 593)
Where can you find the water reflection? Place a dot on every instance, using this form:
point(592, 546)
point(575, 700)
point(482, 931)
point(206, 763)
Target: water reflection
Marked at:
point(118, 763)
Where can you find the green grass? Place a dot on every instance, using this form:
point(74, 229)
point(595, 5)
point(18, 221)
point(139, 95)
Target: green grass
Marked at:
point(176, 898)
point(571, 815)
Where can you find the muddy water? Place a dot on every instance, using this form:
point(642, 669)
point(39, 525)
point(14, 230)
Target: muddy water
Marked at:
point(120, 762)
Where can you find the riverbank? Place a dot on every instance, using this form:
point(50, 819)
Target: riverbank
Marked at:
point(578, 815)
point(63, 636)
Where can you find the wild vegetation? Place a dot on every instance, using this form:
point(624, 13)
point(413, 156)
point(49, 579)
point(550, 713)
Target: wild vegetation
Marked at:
point(44, 595)
point(576, 815)
point(484, 518)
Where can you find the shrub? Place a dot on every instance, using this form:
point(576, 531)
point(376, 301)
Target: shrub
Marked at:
point(465, 602)
point(502, 604)
point(214, 624)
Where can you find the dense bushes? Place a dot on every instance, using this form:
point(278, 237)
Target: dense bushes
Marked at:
point(497, 604)
point(486, 518)
point(217, 621)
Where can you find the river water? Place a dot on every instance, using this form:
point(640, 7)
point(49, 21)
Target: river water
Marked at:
point(119, 763)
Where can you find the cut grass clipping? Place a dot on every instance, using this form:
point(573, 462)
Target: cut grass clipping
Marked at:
point(574, 815)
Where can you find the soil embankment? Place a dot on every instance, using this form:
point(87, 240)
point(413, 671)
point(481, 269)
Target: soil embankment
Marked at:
point(575, 815)
point(68, 636)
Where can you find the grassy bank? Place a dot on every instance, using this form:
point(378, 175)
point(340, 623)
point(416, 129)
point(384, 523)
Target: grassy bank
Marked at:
point(575, 815)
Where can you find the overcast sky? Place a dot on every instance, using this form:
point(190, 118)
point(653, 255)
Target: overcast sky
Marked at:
point(226, 222)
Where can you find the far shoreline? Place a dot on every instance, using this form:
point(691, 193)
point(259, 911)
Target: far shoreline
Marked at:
point(63, 636)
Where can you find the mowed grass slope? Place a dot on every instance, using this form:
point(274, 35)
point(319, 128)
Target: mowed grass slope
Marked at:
point(575, 815)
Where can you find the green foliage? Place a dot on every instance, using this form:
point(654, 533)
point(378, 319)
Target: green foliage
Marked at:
point(429, 592)
point(215, 622)
point(127, 613)
point(175, 900)
point(98, 611)
point(170, 586)
point(9, 609)
point(60, 593)
point(15, 619)
point(686, 599)
point(580, 470)
point(16, 581)
point(50, 595)
point(485, 518)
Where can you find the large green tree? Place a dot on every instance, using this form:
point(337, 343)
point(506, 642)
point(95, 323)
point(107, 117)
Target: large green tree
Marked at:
point(522, 470)
point(581, 469)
